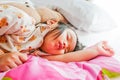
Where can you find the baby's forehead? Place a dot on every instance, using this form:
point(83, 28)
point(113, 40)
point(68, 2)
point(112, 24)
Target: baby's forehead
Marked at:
point(61, 31)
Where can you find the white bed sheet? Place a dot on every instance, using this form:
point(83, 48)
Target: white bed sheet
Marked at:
point(112, 7)
point(113, 38)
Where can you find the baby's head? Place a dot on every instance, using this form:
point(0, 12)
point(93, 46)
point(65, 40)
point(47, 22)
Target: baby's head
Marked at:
point(60, 40)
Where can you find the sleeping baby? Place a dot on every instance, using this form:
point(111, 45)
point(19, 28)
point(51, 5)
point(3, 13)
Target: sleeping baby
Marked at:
point(18, 25)
point(24, 29)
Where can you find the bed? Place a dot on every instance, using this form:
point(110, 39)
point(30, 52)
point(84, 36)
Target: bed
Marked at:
point(93, 26)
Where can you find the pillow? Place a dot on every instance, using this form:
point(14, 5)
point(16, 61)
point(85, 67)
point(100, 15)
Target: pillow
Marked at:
point(82, 14)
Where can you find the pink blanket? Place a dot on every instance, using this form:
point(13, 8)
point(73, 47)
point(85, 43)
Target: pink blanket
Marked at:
point(37, 68)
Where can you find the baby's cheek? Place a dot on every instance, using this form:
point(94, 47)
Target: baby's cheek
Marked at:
point(48, 47)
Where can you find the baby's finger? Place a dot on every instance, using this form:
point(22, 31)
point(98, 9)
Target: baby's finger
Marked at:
point(18, 62)
point(107, 49)
point(5, 68)
point(36, 53)
point(23, 57)
point(12, 65)
point(111, 52)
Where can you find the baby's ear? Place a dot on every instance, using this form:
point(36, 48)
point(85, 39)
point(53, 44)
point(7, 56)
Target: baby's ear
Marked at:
point(51, 22)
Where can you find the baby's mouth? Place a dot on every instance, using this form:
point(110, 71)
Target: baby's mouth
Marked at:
point(60, 46)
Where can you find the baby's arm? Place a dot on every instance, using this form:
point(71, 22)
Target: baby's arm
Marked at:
point(49, 14)
point(101, 48)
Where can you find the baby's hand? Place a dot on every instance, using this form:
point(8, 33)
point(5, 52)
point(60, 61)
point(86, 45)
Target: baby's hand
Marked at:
point(104, 49)
point(35, 53)
point(11, 60)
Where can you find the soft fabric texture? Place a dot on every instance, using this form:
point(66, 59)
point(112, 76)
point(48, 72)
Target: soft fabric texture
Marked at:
point(37, 68)
point(18, 30)
point(41, 69)
point(19, 1)
point(82, 14)
point(25, 5)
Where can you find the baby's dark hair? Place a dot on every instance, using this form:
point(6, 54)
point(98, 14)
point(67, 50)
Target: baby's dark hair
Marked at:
point(79, 46)
point(61, 28)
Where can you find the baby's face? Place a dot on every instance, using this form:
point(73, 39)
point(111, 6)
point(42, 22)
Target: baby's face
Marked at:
point(61, 44)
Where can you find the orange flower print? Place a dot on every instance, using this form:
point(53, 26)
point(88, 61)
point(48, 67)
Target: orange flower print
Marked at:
point(32, 38)
point(21, 38)
point(3, 22)
point(42, 28)
point(18, 47)
point(23, 29)
point(5, 6)
point(19, 15)
point(3, 39)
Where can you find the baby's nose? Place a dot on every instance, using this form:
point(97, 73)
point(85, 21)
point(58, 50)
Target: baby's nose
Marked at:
point(65, 44)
